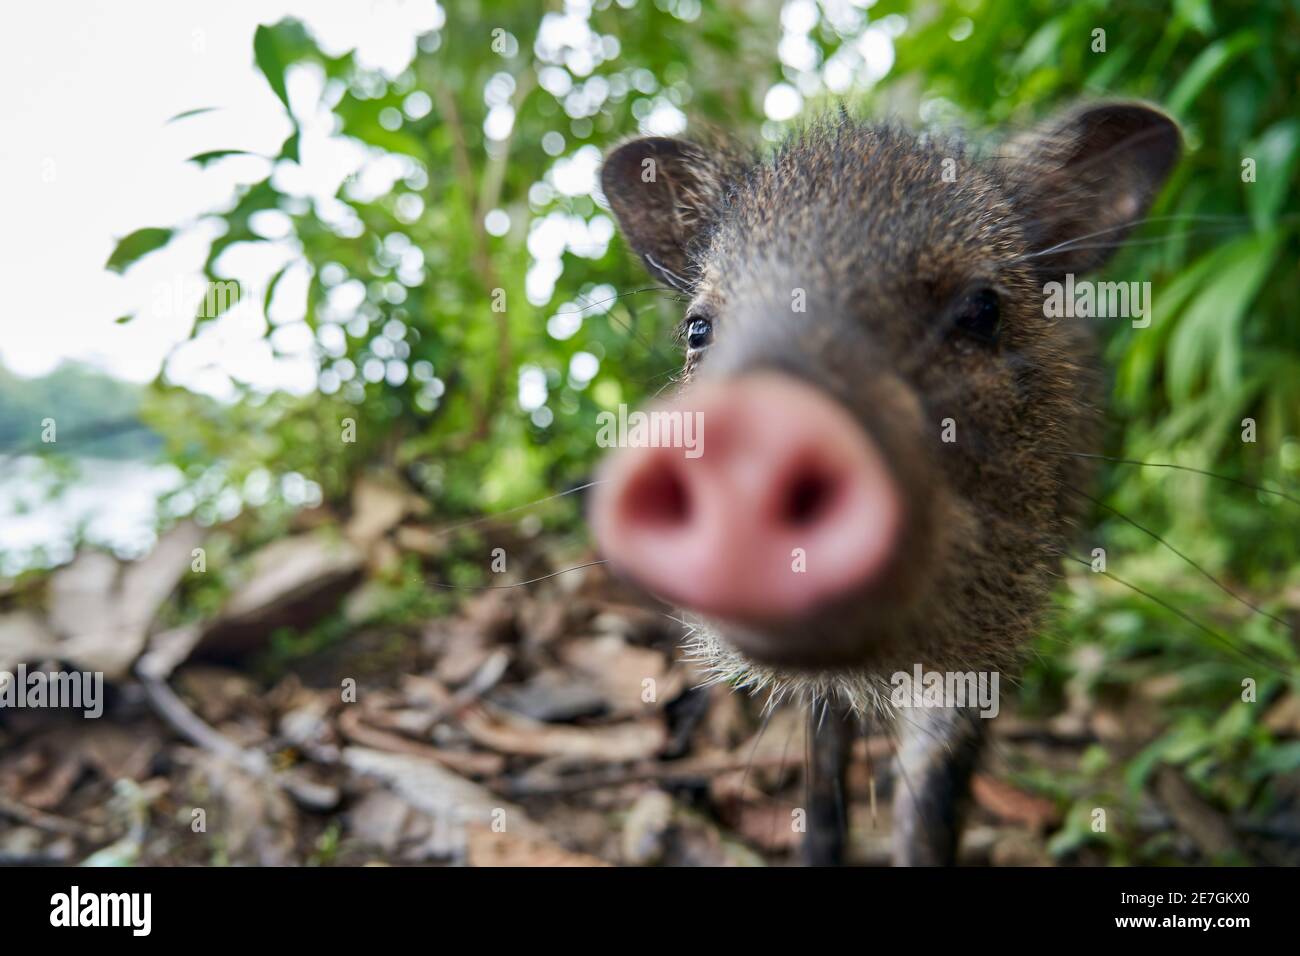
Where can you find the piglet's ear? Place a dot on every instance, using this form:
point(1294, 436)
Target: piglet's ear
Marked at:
point(664, 192)
point(1085, 179)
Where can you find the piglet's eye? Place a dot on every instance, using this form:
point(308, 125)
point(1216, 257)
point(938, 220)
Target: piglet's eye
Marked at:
point(978, 316)
point(699, 333)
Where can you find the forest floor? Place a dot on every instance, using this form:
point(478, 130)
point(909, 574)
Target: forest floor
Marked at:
point(552, 724)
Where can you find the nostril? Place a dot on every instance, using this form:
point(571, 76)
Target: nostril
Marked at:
point(657, 497)
point(807, 497)
point(791, 483)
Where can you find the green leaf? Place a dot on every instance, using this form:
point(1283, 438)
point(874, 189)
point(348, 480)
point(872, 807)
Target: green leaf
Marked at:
point(1197, 13)
point(1112, 65)
point(1041, 47)
point(270, 289)
point(1181, 744)
point(188, 113)
point(203, 160)
point(1140, 354)
point(313, 299)
point(252, 199)
point(135, 246)
point(274, 48)
point(1275, 155)
point(290, 148)
point(1208, 336)
point(267, 53)
point(1206, 67)
point(220, 296)
point(1282, 759)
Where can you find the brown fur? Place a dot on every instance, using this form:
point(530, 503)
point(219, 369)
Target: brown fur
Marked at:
point(859, 217)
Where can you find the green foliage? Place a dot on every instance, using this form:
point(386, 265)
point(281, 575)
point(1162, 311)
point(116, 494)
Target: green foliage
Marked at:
point(135, 246)
point(445, 411)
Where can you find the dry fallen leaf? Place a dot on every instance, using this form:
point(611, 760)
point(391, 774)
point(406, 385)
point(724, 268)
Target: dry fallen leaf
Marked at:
point(488, 848)
point(1284, 716)
point(1013, 804)
point(624, 673)
point(768, 825)
point(100, 609)
point(255, 820)
point(118, 752)
point(644, 829)
point(495, 831)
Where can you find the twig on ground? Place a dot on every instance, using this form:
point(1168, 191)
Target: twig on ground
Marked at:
point(678, 771)
point(470, 763)
point(177, 715)
point(48, 821)
point(1198, 820)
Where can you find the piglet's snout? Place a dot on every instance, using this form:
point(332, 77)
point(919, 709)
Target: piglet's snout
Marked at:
point(784, 505)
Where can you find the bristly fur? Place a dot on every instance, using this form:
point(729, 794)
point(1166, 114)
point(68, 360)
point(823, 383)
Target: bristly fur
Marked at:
point(886, 231)
point(864, 694)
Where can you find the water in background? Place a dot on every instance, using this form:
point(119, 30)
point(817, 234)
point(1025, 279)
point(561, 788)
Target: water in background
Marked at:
point(112, 502)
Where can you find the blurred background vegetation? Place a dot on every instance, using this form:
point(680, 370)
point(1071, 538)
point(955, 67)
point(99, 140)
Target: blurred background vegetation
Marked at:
point(469, 308)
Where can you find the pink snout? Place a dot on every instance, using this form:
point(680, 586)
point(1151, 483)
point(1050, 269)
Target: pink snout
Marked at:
point(788, 506)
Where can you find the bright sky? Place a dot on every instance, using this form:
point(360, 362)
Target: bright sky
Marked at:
point(87, 156)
